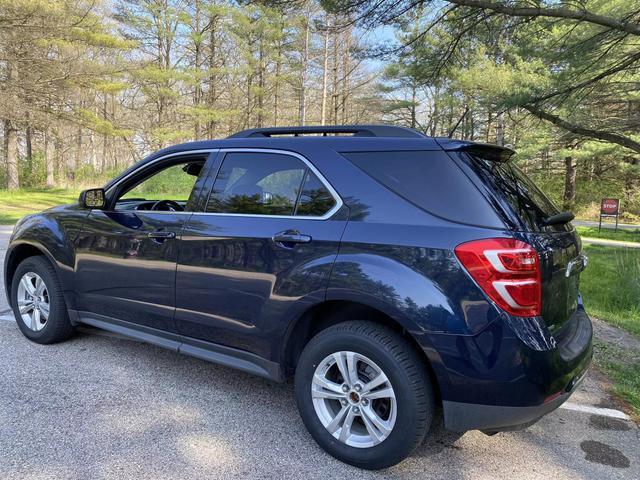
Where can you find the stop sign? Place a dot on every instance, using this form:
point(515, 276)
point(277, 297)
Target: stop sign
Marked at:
point(609, 206)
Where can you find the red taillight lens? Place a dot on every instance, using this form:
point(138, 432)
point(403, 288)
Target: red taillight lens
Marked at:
point(508, 271)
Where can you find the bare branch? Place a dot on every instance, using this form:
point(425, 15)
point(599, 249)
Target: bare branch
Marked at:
point(632, 28)
point(584, 131)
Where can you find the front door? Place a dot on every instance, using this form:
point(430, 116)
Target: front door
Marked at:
point(126, 255)
point(261, 251)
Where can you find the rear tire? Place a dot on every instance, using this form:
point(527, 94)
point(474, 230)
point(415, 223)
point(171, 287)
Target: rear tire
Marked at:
point(402, 405)
point(37, 301)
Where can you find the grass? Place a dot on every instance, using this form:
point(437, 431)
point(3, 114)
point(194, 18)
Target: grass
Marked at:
point(623, 368)
point(610, 285)
point(15, 204)
point(611, 290)
point(610, 234)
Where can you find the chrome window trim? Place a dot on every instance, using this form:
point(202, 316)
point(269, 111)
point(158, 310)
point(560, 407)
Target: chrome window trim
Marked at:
point(309, 165)
point(159, 159)
point(323, 180)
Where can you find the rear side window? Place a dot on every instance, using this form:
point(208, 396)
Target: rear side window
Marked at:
point(430, 180)
point(516, 193)
point(253, 183)
point(315, 199)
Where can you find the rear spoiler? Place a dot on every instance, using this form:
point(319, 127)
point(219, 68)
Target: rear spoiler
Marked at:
point(487, 151)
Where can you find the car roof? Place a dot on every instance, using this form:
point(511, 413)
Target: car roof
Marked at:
point(359, 138)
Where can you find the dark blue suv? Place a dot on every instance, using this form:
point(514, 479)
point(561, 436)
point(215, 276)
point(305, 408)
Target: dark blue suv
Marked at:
point(399, 277)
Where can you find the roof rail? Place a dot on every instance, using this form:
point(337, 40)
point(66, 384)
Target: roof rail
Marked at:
point(355, 130)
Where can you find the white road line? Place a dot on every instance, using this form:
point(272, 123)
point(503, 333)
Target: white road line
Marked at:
point(604, 412)
point(7, 318)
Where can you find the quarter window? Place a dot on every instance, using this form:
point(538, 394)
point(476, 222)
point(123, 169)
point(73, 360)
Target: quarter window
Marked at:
point(268, 184)
point(315, 199)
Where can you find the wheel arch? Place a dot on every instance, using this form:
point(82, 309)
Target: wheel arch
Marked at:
point(331, 312)
point(18, 253)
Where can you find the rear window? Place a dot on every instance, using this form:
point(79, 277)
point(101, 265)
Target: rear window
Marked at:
point(430, 180)
point(519, 197)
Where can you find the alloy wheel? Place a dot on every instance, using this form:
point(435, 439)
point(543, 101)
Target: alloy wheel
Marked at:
point(354, 399)
point(33, 301)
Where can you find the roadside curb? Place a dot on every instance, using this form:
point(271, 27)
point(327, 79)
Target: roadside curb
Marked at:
point(610, 243)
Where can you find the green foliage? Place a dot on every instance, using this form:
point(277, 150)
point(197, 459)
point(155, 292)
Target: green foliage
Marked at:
point(623, 367)
point(610, 234)
point(172, 183)
point(610, 285)
point(100, 125)
point(18, 203)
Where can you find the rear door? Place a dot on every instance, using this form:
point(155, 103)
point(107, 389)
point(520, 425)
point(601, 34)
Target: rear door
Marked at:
point(524, 209)
point(260, 253)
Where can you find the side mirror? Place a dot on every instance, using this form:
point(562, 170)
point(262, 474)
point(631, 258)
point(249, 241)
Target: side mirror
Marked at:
point(92, 198)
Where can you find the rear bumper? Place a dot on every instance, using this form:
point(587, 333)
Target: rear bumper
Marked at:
point(460, 417)
point(511, 375)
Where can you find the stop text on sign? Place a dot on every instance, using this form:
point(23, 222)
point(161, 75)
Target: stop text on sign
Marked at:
point(609, 206)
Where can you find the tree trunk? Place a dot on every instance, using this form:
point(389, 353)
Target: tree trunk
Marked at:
point(59, 160)
point(500, 130)
point(303, 74)
point(334, 87)
point(325, 77)
point(105, 137)
point(197, 94)
point(213, 77)
point(346, 67)
point(569, 183)
point(11, 155)
point(414, 100)
point(261, 83)
point(276, 86)
point(29, 146)
point(435, 114)
point(49, 159)
point(78, 159)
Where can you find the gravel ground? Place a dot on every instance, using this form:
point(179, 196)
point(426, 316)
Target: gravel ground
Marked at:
point(100, 406)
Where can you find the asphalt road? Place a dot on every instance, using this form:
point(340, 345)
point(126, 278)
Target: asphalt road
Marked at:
point(100, 406)
point(606, 224)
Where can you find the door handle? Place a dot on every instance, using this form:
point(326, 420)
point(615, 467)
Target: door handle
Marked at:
point(289, 238)
point(161, 236)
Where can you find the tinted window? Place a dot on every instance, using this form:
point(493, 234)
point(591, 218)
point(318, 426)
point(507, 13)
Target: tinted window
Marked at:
point(315, 199)
point(267, 184)
point(514, 190)
point(430, 180)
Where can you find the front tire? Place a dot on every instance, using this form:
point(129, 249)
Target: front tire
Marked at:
point(37, 301)
point(364, 394)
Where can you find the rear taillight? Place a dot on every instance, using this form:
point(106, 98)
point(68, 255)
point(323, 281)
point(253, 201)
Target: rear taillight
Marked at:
point(507, 270)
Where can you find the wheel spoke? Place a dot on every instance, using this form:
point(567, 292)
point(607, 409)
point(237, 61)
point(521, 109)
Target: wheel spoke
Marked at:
point(376, 382)
point(380, 425)
point(345, 432)
point(341, 362)
point(352, 370)
point(322, 382)
point(321, 393)
point(376, 436)
point(39, 286)
point(35, 319)
point(337, 420)
point(339, 399)
point(382, 393)
point(27, 285)
point(25, 306)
